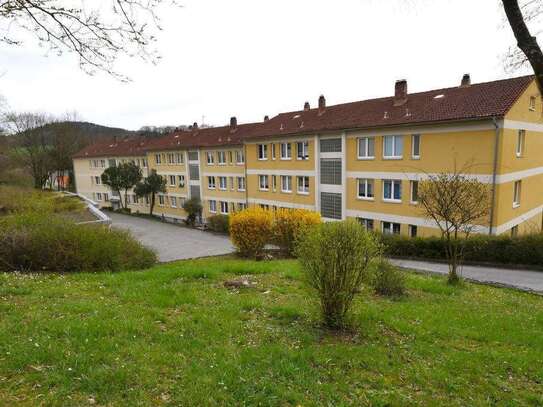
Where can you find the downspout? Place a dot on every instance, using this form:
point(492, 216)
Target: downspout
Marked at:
point(494, 174)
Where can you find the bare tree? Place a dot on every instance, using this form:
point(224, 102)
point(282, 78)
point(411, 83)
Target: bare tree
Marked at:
point(457, 203)
point(529, 50)
point(98, 32)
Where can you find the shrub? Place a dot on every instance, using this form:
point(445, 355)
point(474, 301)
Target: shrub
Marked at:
point(31, 242)
point(335, 257)
point(388, 280)
point(522, 250)
point(289, 225)
point(218, 223)
point(250, 230)
point(193, 207)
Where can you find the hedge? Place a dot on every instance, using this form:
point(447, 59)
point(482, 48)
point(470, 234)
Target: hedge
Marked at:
point(522, 250)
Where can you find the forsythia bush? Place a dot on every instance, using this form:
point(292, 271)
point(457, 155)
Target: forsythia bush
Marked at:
point(289, 224)
point(250, 230)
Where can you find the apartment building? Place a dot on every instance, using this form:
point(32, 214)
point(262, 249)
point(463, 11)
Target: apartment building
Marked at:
point(360, 160)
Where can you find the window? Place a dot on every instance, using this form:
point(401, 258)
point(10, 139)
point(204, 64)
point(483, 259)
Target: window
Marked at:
point(415, 146)
point(414, 192)
point(532, 103)
point(98, 180)
point(263, 182)
point(240, 157)
point(241, 183)
point(172, 181)
point(286, 151)
point(194, 172)
point(158, 159)
point(242, 206)
point(230, 160)
point(98, 196)
point(144, 162)
point(514, 231)
point(210, 158)
point(302, 150)
point(286, 183)
point(331, 145)
point(232, 186)
point(331, 205)
point(179, 158)
point(331, 172)
point(393, 146)
point(390, 228)
point(367, 223)
point(521, 140)
point(273, 151)
point(224, 207)
point(274, 183)
point(392, 190)
point(221, 157)
point(193, 156)
point(303, 185)
point(181, 179)
point(211, 182)
point(264, 206)
point(161, 200)
point(223, 185)
point(173, 202)
point(365, 189)
point(366, 148)
point(413, 231)
point(213, 206)
point(262, 151)
point(103, 163)
point(516, 194)
point(171, 158)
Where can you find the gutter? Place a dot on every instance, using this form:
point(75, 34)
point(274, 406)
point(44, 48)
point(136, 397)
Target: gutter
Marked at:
point(494, 175)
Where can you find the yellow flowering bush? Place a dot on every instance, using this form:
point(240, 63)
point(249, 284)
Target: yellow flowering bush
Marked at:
point(250, 230)
point(289, 224)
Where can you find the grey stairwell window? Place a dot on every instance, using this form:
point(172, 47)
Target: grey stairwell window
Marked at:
point(330, 145)
point(194, 171)
point(195, 191)
point(331, 171)
point(331, 205)
point(193, 155)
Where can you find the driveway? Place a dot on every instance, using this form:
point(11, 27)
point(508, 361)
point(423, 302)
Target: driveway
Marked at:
point(172, 242)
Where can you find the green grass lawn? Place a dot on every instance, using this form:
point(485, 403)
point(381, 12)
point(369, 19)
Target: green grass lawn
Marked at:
point(174, 335)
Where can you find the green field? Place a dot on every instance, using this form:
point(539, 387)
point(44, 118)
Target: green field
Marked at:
point(174, 335)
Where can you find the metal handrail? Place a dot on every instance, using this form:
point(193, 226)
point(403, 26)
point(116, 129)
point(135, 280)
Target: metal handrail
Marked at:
point(93, 207)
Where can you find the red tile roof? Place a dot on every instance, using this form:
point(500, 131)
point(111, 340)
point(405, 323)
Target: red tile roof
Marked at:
point(477, 101)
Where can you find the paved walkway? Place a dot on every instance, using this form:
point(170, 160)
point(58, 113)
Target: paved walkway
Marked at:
point(176, 243)
point(172, 242)
point(521, 279)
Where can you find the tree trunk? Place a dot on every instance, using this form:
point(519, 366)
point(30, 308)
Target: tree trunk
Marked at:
point(525, 41)
point(152, 205)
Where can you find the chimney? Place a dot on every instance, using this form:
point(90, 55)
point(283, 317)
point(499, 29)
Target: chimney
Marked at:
point(466, 81)
point(233, 123)
point(322, 104)
point(266, 118)
point(307, 106)
point(195, 125)
point(400, 92)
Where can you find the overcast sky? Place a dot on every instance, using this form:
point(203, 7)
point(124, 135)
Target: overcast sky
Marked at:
point(250, 58)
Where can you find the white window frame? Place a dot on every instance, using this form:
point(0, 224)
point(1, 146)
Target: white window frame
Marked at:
point(521, 143)
point(303, 148)
point(211, 182)
point(232, 185)
point(240, 157)
point(366, 182)
point(161, 200)
point(210, 158)
point(106, 197)
point(413, 138)
point(241, 184)
point(179, 159)
point(411, 192)
point(173, 201)
point(181, 181)
point(263, 186)
point(221, 179)
point(98, 196)
point(213, 206)
point(412, 228)
point(301, 188)
point(365, 222)
point(517, 193)
point(158, 159)
point(390, 229)
point(286, 179)
point(273, 148)
point(98, 180)
point(224, 205)
point(364, 151)
point(144, 162)
point(221, 157)
point(393, 187)
point(286, 151)
point(172, 177)
point(395, 155)
point(242, 206)
point(262, 152)
point(532, 102)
